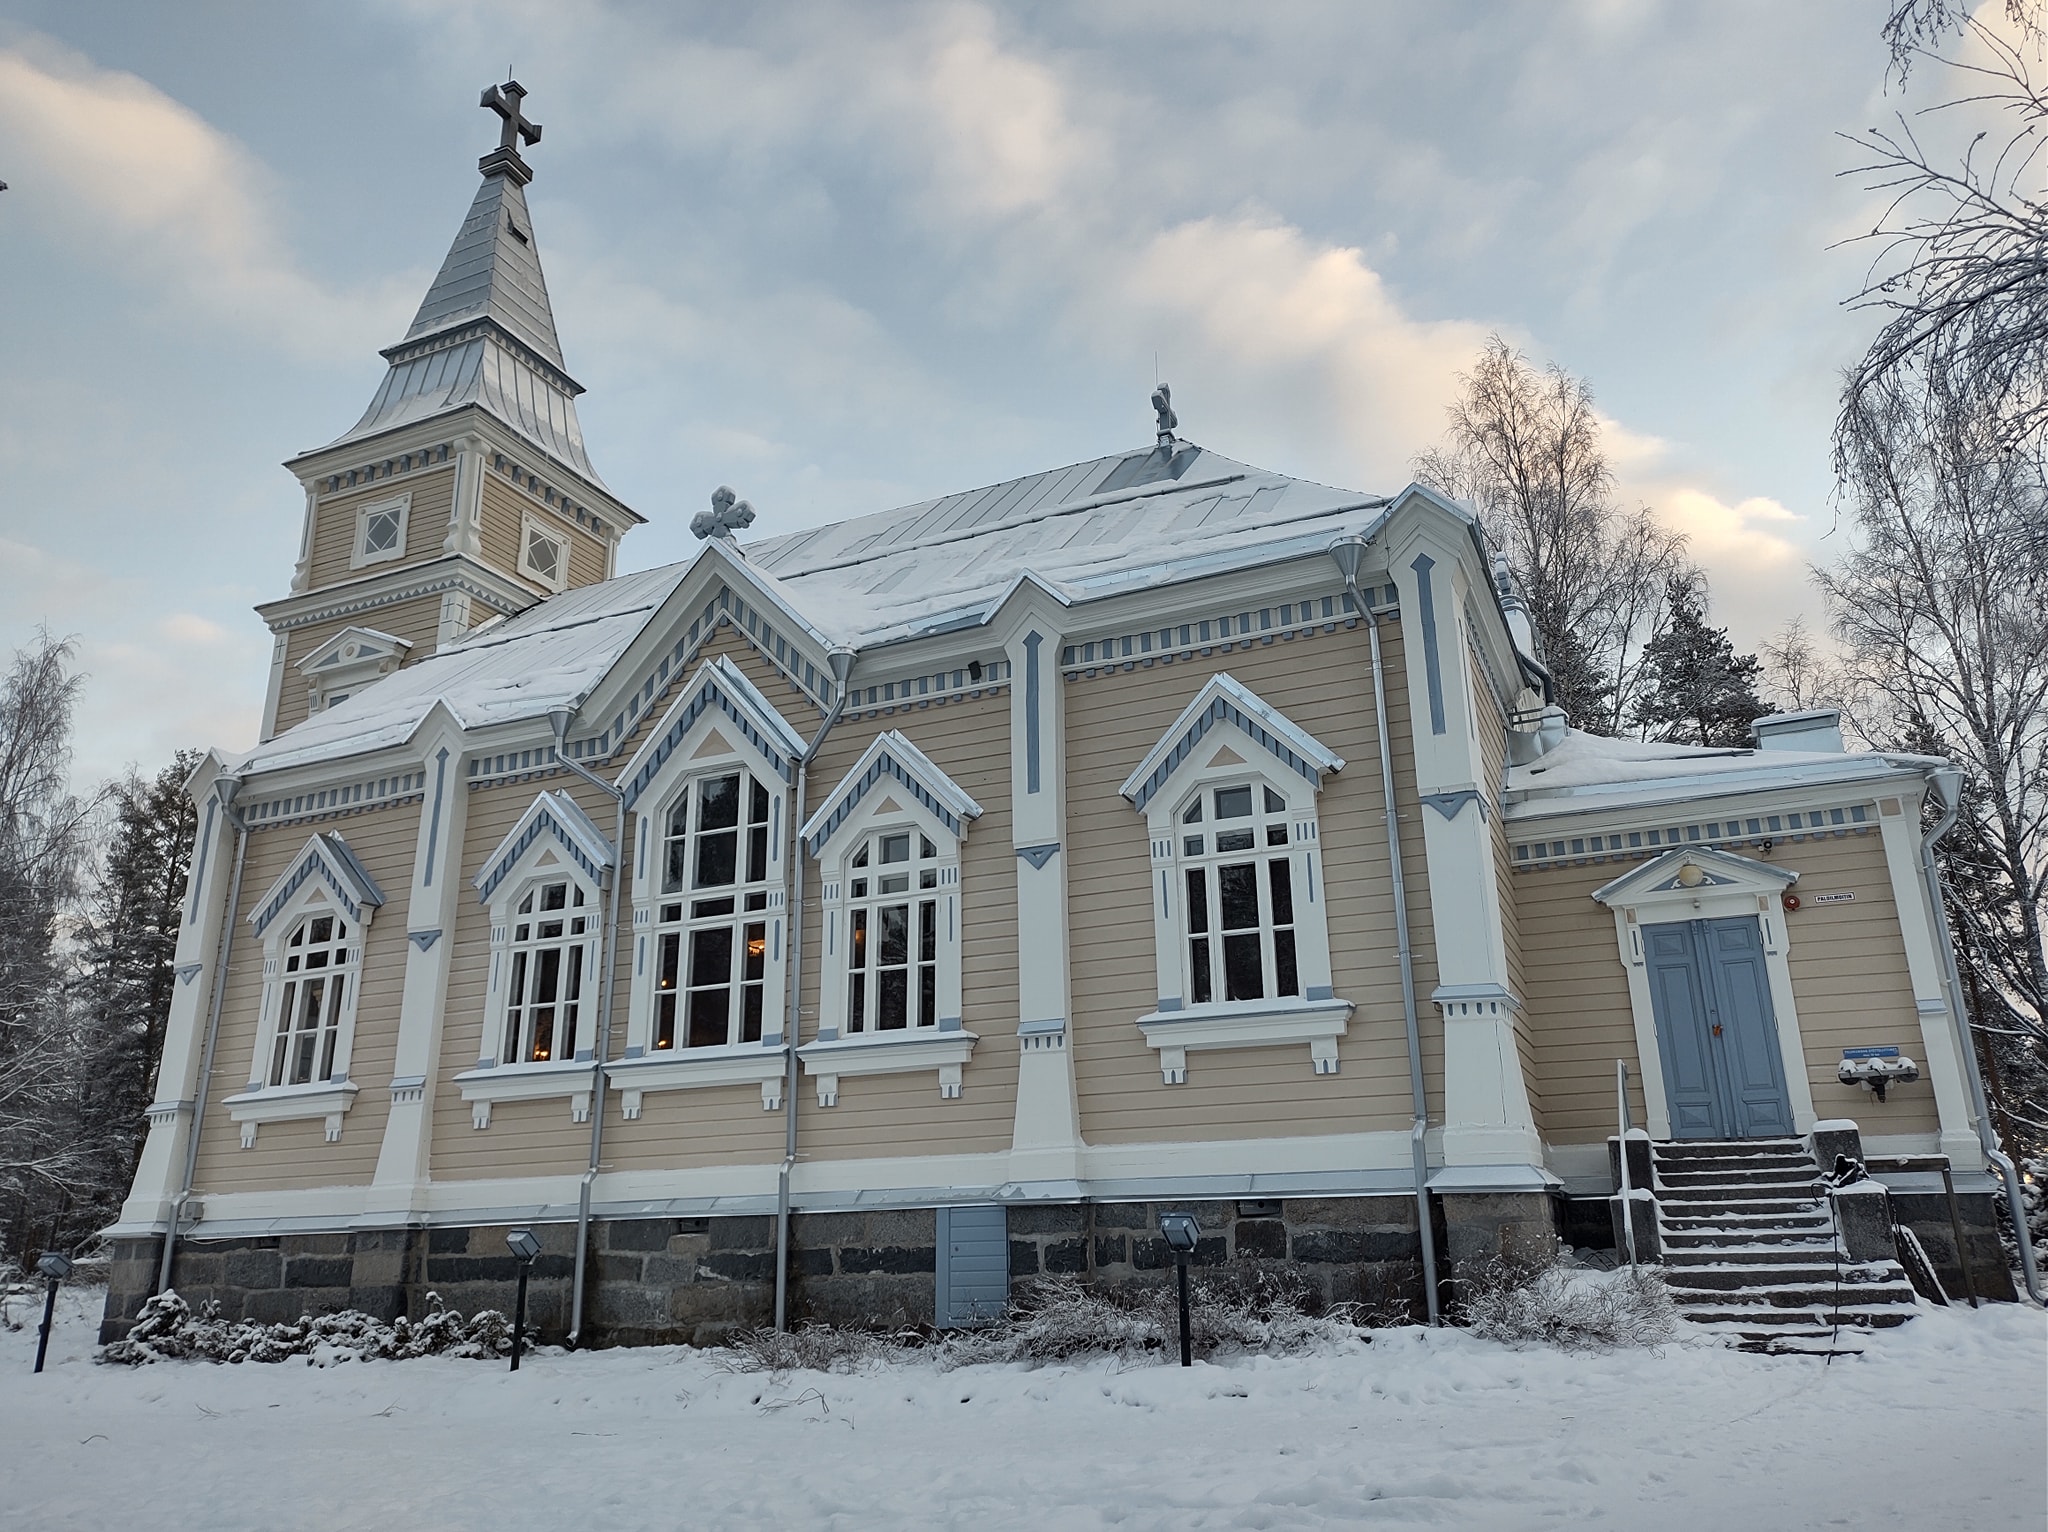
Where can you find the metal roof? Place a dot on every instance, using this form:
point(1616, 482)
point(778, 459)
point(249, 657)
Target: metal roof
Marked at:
point(1139, 518)
point(485, 335)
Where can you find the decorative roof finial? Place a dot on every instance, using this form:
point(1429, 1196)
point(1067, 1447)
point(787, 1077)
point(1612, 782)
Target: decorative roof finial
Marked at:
point(728, 514)
point(504, 160)
point(1162, 401)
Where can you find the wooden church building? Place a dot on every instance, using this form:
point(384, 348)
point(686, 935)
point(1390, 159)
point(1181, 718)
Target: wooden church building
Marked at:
point(853, 922)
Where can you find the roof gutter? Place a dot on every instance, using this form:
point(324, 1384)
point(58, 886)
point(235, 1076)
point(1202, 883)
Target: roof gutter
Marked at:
point(1349, 552)
point(1947, 784)
point(842, 668)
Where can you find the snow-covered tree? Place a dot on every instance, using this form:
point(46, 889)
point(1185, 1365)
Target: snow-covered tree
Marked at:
point(1697, 690)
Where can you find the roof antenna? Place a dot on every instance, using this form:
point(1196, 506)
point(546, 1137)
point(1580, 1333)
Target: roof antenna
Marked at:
point(1162, 401)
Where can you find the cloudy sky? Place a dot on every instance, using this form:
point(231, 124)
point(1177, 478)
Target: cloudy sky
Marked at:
point(846, 257)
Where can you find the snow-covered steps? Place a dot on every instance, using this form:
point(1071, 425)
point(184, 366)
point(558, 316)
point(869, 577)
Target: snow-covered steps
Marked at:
point(1749, 1249)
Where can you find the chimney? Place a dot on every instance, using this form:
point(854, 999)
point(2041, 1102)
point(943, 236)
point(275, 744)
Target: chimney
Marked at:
point(1817, 729)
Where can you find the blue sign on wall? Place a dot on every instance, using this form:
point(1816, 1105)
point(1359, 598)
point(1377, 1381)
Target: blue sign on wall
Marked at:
point(1870, 1053)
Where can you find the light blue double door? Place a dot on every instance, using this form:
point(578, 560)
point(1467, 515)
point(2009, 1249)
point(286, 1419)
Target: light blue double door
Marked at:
point(1724, 1076)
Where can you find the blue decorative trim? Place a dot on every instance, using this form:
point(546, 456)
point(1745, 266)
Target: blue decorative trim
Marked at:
point(328, 858)
point(1169, 1002)
point(1431, 663)
point(1450, 805)
point(205, 845)
point(423, 939)
point(1315, 992)
point(1038, 856)
point(949, 1023)
point(1031, 644)
point(188, 971)
point(716, 690)
point(434, 821)
point(848, 795)
point(1220, 710)
point(545, 817)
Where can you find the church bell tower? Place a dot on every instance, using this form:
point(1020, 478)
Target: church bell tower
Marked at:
point(464, 493)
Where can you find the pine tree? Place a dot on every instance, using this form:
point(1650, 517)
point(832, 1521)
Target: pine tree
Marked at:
point(1699, 690)
point(127, 968)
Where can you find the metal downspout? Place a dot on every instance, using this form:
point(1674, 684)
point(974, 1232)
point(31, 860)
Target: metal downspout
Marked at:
point(559, 719)
point(842, 668)
point(225, 788)
point(1947, 784)
point(1349, 552)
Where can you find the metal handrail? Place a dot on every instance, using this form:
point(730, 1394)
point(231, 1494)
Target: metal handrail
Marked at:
point(1628, 1206)
point(1900, 1164)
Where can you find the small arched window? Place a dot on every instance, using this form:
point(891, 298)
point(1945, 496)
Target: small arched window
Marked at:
point(312, 994)
point(554, 931)
point(1239, 884)
point(711, 924)
point(892, 933)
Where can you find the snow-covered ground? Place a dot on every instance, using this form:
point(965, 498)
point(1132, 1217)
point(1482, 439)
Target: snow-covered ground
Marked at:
point(1939, 1425)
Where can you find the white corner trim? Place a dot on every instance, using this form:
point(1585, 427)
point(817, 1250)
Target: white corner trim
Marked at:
point(896, 1053)
point(291, 1103)
point(698, 1068)
point(1246, 1024)
point(527, 1082)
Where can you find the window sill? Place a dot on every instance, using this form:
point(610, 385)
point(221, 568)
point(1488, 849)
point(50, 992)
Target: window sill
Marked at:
point(888, 1054)
point(527, 1082)
point(252, 1108)
point(1246, 1024)
point(697, 1068)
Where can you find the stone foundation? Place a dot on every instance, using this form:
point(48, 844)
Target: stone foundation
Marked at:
point(698, 1280)
point(1926, 1214)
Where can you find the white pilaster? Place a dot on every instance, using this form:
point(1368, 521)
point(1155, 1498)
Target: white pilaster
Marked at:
point(432, 904)
point(273, 693)
point(160, 1172)
point(466, 508)
point(302, 572)
point(1046, 1137)
point(1898, 822)
point(1488, 1119)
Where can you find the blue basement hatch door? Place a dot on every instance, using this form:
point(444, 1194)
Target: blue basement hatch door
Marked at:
point(973, 1265)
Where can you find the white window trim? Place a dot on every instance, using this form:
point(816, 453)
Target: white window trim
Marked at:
point(331, 667)
point(643, 1068)
point(329, 1098)
point(555, 533)
point(1317, 1017)
point(1732, 886)
point(889, 805)
point(359, 555)
point(546, 858)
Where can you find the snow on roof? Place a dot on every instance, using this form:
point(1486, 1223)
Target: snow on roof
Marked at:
point(1137, 519)
point(550, 654)
point(1586, 767)
point(1140, 518)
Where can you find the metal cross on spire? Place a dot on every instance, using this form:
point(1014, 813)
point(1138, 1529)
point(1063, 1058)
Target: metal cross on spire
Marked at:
point(505, 101)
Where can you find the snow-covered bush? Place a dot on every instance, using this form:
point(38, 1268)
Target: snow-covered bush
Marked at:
point(167, 1328)
point(1545, 1300)
point(1059, 1319)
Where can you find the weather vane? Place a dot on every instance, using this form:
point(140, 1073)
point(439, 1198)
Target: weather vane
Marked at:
point(1162, 401)
point(728, 514)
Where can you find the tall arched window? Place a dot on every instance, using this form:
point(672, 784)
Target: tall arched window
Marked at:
point(711, 925)
point(892, 933)
point(554, 931)
point(313, 991)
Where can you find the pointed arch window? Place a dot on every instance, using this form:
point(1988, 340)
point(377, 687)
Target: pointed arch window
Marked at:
point(312, 997)
point(554, 940)
point(711, 922)
point(1238, 880)
point(892, 933)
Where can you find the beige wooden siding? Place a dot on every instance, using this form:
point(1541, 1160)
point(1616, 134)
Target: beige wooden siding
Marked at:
point(504, 512)
point(1850, 982)
point(417, 621)
point(904, 1114)
point(1493, 753)
point(297, 1154)
point(426, 524)
point(1576, 1009)
point(525, 1137)
point(1324, 684)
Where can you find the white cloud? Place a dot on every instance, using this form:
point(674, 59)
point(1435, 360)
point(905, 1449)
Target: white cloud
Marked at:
point(123, 174)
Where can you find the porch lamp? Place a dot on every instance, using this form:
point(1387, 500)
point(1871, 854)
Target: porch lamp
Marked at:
point(524, 1247)
point(55, 1267)
point(1181, 1231)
